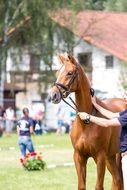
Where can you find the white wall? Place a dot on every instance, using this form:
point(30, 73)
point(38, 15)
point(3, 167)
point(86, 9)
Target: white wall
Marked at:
point(105, 79)
point(102, 79)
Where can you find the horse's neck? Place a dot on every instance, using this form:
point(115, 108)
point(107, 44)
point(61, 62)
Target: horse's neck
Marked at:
point(83, 97)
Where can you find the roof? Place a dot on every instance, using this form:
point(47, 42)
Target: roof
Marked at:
point(106, 30)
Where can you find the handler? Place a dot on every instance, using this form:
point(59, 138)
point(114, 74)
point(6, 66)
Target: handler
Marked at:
point(118, 119)
point(24, 130)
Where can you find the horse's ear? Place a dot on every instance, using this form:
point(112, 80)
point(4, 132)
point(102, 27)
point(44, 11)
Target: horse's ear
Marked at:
point(72, 59)
point(62, 58)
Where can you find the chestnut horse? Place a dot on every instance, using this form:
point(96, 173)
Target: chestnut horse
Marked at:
point(89, 140)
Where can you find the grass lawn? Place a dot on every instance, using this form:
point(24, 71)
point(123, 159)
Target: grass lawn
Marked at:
point(14, 177)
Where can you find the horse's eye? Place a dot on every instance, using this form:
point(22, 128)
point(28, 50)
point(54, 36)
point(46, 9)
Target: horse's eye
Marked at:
point(69, 73)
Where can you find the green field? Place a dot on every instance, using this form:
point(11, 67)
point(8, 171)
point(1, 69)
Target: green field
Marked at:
point(58, 150)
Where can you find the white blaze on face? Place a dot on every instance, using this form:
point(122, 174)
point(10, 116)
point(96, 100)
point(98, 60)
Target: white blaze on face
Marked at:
point(60, 72)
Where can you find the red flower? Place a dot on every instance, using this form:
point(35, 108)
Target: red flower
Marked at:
point(39, 157)
point(22, 161)
point(27, 156)
point(33, 154)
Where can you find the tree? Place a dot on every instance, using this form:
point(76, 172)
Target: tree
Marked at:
point(37, 34)
point(94, 4)
point(116, 5)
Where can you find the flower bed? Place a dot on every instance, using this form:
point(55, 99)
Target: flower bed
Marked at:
point(33, 161)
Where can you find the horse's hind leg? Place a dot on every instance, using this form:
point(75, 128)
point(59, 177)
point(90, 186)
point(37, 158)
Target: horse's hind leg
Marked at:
point(80, 164)
point(119, 165)
point(100, 161)
point(113, 169)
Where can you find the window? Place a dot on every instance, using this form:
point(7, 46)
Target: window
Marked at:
point(34, 63)
point(109, 62)
point(85, 59)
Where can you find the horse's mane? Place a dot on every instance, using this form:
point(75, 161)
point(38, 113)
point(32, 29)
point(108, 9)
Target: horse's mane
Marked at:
point(82, 74)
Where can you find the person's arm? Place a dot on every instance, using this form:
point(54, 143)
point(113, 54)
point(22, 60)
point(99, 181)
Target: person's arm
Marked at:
point(100, 121)
point(31, 130)
point(104, 111)
point(17, 129)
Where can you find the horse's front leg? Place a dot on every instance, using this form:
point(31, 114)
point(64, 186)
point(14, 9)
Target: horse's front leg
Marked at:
point(101, 164)
point(80, 164)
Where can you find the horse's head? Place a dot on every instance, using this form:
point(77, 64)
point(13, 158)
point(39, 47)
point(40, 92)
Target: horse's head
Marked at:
point(67, 79)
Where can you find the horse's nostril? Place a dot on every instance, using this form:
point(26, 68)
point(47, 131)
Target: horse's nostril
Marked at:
point(54, 96)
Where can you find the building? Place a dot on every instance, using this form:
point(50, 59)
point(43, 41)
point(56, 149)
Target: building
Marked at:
point(100, 45)
point(10, 91)
point(29, 73)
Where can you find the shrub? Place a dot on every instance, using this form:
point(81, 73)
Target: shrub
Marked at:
point(33, 161)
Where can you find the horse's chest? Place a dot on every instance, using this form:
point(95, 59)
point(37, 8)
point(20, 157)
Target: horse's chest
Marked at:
point(86, 142)
point(89, 139)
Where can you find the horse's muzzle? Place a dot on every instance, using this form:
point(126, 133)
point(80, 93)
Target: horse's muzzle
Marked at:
point(55, 95)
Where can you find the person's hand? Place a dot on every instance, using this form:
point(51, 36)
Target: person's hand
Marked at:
point(82, 115)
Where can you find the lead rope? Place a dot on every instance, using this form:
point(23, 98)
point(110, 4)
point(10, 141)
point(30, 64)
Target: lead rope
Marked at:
point(70, 104)
point(76, 109)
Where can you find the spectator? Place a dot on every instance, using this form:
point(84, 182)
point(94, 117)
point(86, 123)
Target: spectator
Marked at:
point(37, 127)
point(38, 122)
point(60, 117)
point(2, 120)
point(9, 122)
point(24, 130)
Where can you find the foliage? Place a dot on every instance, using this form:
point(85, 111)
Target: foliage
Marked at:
point(38, 33)
point(110, 5)
point(116, 5)
point(94, 4)
point(33, 161)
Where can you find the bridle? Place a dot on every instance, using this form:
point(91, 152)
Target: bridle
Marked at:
point(67, 87)
point(67, 91)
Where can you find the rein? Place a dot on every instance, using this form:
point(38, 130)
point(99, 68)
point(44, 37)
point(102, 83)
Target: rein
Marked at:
point(76, 107)
point(58, 85)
